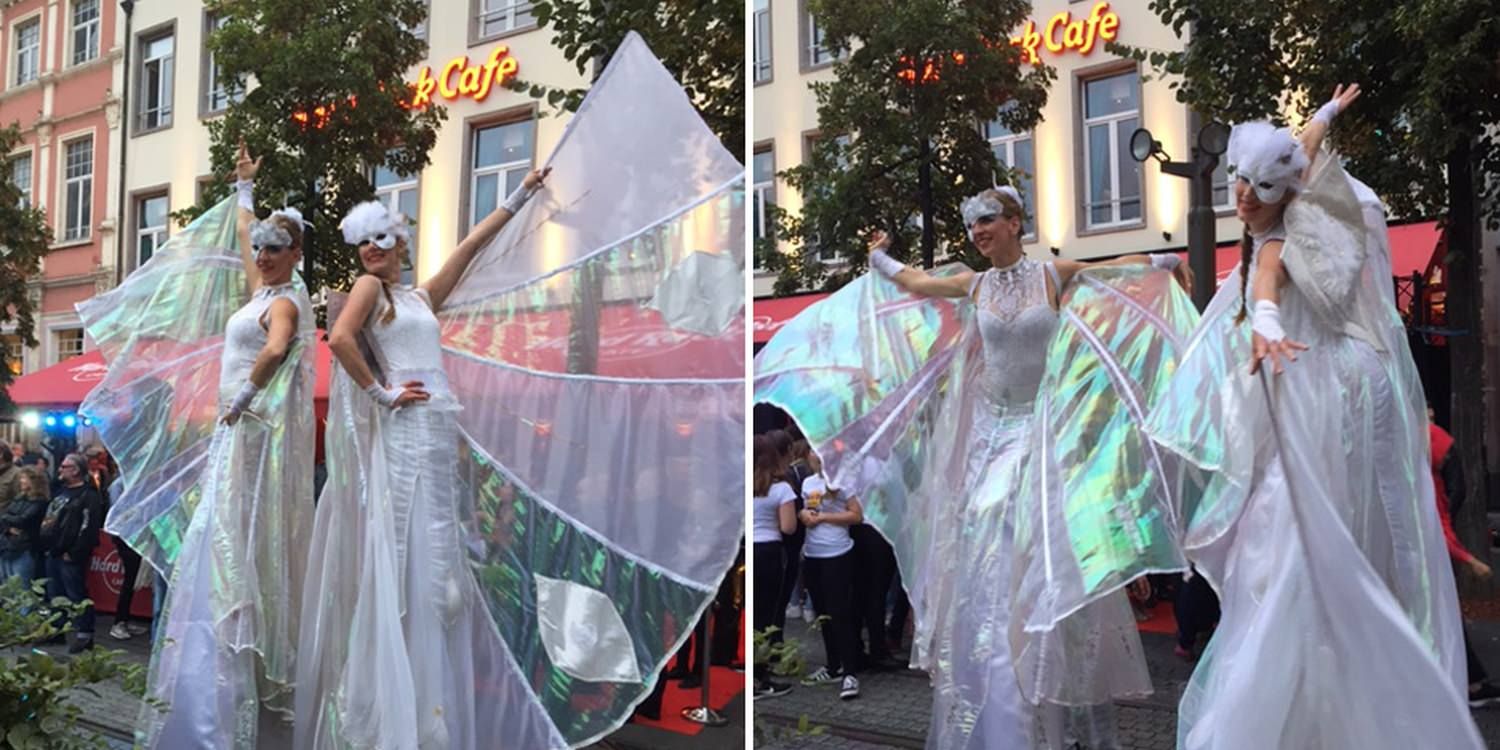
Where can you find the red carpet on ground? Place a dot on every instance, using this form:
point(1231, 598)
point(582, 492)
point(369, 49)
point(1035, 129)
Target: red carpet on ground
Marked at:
point(723, 685)
point(1162, 620)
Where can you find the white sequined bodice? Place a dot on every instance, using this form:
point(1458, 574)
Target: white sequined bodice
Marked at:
point(410, 346)
point(244, 334)
point(1016, 320)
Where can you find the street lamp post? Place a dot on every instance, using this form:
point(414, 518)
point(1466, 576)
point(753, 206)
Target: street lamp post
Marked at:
point(1213, 139)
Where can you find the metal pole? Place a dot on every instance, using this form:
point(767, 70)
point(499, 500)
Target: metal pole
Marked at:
point(1201, 219)
point(704, 714)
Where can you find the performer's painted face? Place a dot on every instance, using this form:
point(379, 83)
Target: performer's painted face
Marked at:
point(276, 262)
point(382, 261)
point(993, 232)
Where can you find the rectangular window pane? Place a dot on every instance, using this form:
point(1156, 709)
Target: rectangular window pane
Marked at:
point(1221, 191)
point(78, 178)
point(85, 30)
point(1129, 170)
point(762, 41)
point(69, 343)
point(503, 144)
point(156, 83)
point(763, 170)
point(486, 197)
point(1113, 95)
point(500, 16)
point(28, 51)
point(20, 176)
point(1026, 162)
point(1100, 189)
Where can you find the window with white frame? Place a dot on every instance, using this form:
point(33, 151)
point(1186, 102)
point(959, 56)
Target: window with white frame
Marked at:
point(1017, 151)
point(495, 17)
point(20, 176)
point(761, 41)
point(150, 227)
point(155, 75)
point(502, 157)
point(216, 95)
point(28, 51)
point(400, 193)
point(816, 51)
point(764, 174)
point(1223, 187)
point(1111, 112)
point(85, 30)
point(78, 188)
point(69, 343)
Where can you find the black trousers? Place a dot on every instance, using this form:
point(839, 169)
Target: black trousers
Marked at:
point(876, 560)
point(895, 632)
point(791, 548)
point(1476, 667)
point(830, 582)
point(769, 569)
point(132, 563)
point(1196, 607)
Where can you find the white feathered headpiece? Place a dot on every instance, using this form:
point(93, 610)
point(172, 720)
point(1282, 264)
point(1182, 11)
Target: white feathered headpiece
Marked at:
point(267, 233)
point(374, 222)
point(1267, 157)
point(979, 205)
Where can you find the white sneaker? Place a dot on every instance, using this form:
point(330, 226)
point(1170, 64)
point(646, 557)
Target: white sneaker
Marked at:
point(850, 689)
point(808, 615)
point(820, 677)
point(119, 632)
point(793, 611)
point(137, 628)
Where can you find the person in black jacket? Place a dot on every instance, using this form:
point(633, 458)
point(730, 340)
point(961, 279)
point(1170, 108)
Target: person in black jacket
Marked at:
point(20, 523)
point(69, 532)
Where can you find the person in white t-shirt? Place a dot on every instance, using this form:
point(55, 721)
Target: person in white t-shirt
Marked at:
point(828, 574)
point(773, 513)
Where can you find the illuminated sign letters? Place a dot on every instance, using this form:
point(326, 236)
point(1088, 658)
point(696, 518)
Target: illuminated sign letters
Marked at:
point(458, 78)
point(1063, 33)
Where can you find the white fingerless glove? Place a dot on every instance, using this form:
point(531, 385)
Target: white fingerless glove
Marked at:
point(246, 191)
point(384, 396)
point(518, 198)
point(1327, 112)
point(1167, 262)
point(242, 399)
point(885, 264)
point(1267, 321)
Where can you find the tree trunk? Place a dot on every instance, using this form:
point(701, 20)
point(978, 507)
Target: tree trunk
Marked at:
point(1466, 353)
point(924, 199)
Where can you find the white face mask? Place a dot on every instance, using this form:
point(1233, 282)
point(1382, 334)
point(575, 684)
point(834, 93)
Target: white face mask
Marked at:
point(383, 240)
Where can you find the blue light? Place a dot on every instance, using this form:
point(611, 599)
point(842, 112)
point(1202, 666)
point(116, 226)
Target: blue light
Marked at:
point(51, 421)
point(69, 421)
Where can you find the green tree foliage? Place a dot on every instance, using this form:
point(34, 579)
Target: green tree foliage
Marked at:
point(329, 101)
point(702, 42)
point(1423, 134)
point(918, 79)
point(24, 237)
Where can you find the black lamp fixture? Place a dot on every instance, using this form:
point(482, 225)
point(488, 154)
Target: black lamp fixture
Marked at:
point(1212, 142)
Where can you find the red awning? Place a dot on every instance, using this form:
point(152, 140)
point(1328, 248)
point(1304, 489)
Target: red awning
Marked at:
point(772, 314)
point(66, 383)
point(1412, 249)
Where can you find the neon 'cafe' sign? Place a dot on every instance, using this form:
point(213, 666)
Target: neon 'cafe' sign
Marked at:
point(1063, 32)
point(458, 78)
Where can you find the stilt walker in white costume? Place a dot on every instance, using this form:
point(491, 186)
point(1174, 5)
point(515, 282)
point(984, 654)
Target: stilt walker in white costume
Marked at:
point(1299, 401)
point(214, 436)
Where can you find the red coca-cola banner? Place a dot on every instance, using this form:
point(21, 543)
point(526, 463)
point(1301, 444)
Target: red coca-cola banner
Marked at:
point(106, 579)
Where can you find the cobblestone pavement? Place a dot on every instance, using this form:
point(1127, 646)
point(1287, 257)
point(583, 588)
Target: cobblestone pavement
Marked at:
point(894, 707)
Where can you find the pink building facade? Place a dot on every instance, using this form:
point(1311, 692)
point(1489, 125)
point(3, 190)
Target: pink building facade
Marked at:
point(60, 68)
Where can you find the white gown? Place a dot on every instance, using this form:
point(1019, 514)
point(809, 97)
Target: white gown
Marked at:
point(399, 652)
point(983, 692)
point(1316, 524)
point(225, 657)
